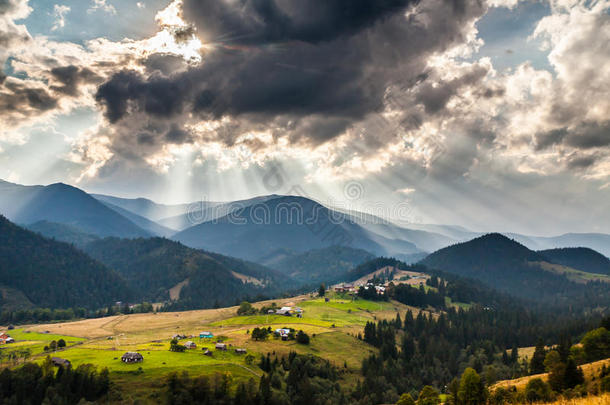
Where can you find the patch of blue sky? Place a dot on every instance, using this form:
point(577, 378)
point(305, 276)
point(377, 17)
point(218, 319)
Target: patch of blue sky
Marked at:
point(84, 22)
point(506, 33)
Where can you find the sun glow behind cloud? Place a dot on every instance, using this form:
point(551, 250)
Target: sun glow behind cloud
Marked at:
point(458, 123)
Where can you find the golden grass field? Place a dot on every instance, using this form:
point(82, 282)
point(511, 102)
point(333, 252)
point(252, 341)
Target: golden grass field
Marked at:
point(589, 370)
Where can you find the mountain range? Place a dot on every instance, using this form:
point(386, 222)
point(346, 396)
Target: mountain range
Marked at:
point(220, 252)
point(200, 224)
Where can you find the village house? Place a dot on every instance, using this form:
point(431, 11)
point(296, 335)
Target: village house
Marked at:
point(190, 345)
point(206, 335)
point(241, 351)
point(132, 357)
point(283, 333)
point(221, 346)
point(59, 362)
point(286, 311)
point(345, 287)
point(4, 338)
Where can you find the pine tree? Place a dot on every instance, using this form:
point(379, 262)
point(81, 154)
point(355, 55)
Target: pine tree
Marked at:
point(537, 362)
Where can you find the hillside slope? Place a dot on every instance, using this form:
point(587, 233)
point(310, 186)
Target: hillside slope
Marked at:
point(581, 258)
point(154, 266)
point(55, 274)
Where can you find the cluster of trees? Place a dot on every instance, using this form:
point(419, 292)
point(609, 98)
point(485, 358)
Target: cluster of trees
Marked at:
point(299, 379)
point(418, 297)
point(431, 350)
point(245, 308)
point(55, 345)
point(289, 380)
point(260, 333)
point(174, 346)
point(37, 384)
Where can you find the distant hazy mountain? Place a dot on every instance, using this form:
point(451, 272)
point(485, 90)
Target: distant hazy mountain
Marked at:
point(597, 241)
point(321, 265)
point(158, 269)
point(583, 259)
point(507, 265)
point(54, 274)
point(294, 223)
point(145, 207)
point(62, 232)
point(148, 225)
point(64, 204)
point(204, 211)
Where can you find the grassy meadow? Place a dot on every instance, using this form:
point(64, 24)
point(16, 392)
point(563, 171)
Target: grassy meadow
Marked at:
point(332, 327)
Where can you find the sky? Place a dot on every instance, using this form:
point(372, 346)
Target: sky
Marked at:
point(489, 114)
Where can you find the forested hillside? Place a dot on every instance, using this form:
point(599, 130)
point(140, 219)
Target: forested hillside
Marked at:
point(321, 265)
point(55, 274)
point(62, 232)
point(154, 266)
point(509, 266)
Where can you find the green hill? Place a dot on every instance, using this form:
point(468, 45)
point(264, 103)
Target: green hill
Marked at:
point(54, 274)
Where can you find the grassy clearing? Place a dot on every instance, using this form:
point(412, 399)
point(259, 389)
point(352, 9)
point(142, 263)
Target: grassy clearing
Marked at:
point(449, 302)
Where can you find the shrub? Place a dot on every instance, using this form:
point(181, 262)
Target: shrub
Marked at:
point(302, 338)
point(537, 390)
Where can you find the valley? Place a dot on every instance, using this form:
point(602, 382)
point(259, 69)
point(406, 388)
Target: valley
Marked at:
point(278, 312)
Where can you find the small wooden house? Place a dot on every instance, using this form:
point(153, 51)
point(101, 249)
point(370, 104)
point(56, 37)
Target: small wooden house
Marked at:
point(132, 357)
point(241, 351)
point(190, 345)
point(58, 361)
point(221, 346)
point(207, 352)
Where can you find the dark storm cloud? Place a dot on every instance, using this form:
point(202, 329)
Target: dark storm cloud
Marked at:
point(257, 22)
point(318, 66)
point(587, 135)
point(70, 77)
point(23, 99)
